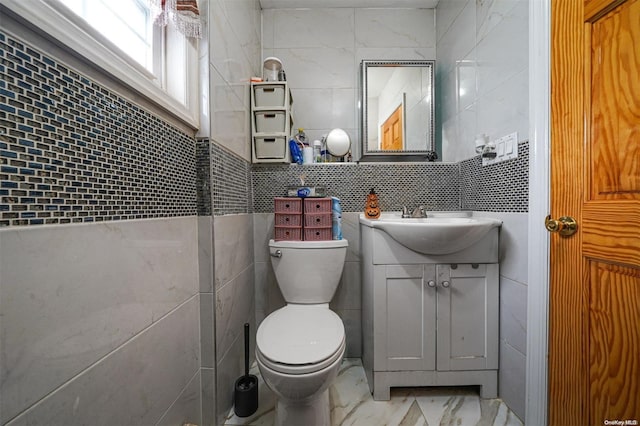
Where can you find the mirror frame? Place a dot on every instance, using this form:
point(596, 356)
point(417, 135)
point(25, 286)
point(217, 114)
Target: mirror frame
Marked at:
point(368, 155)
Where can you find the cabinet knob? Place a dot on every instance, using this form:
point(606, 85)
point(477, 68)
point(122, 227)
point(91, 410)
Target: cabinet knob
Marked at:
point(431, 283)
point(446, 284)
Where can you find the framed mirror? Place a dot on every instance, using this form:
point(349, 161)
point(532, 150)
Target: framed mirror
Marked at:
point(397, 110)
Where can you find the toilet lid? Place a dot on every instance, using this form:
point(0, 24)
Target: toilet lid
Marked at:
point(300, 334)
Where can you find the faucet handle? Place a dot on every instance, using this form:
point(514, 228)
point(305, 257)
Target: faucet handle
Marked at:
point(419, 212)
point(405, 212)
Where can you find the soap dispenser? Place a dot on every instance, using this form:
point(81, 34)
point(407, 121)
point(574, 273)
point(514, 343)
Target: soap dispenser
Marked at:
point(372, 209)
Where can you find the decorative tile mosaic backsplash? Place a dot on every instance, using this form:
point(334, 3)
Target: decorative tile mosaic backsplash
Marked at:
point(502, 187)
point(434, 185)
point(74, 151)
point(231, 189)
point(203, 176)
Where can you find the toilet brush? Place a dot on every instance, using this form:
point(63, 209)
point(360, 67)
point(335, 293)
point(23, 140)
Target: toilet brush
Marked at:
point(246, 390)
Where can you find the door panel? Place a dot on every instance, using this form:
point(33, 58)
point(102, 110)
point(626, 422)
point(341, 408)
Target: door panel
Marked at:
point(467, 317)
point(391, 130)
point(614, 163)
point(614, 313)
point(594, 368)
point(410, 318)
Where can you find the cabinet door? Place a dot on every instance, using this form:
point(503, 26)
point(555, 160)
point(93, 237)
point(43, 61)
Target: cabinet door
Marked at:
point(467, 317)
point(407, 320)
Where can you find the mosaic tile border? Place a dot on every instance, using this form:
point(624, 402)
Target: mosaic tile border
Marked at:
point(203, 176)
point(73, 151)
point(502, 187)
point(434, 185)
point(231, 188)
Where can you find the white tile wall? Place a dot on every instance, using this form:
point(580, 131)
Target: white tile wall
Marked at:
point(321, 50)
point(69, 295)
point(234, 301)
point(234, 55)
point(511, 385)
point(482, 72)
point(135, 384)
point(513, 307)
point(233, 245)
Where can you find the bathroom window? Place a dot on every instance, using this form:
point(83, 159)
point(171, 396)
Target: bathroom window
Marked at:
point(128, 24)
point(119, 36)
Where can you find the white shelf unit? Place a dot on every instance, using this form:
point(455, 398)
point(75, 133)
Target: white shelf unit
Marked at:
point(271, 122)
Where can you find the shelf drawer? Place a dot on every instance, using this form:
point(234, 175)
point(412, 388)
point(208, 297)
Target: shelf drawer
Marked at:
point(270, 146)
point(269, 96)
point(317, 205)
point(317, 234)
point(269, 121)
point(288, 219)
point(288, 233)
point(288, 205)
point(317, 219)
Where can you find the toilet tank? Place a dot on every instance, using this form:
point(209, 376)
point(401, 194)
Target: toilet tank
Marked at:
point(308, 271)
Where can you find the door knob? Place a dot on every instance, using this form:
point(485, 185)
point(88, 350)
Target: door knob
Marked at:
point(431, 283)
point(565, 226)
point(446, 284)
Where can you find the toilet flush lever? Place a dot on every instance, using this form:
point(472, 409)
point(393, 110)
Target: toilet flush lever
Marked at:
point(277, 253)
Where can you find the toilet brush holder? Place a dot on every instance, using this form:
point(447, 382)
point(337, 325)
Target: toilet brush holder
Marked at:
point(246, 389)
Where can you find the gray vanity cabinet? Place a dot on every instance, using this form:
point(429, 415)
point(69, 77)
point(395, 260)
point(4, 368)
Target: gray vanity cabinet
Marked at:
point(434, 325)
point(468, 317)
point(405, 322)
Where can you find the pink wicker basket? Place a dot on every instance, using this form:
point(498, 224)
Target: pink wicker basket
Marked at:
point(289, 205)
point(288, 233)
point(317, 234)
point(317, 205)
point(282, 219)
point(317, 219)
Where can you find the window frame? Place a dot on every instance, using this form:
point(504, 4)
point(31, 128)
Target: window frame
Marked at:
point(59, 22)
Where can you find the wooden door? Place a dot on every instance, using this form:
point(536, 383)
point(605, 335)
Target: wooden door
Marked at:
point(391, 131)
point(594, 346)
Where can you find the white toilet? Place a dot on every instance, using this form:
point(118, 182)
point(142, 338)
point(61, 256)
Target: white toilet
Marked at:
point(299, 348)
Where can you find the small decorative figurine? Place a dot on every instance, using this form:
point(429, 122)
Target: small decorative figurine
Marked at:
point(372, 209)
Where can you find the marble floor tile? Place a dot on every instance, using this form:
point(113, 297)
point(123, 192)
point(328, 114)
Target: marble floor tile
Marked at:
point(353, 405)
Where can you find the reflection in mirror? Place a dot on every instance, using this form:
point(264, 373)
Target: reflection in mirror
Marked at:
point(397, 110)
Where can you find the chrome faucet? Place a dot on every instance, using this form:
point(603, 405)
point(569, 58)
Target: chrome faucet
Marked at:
point(417, 212)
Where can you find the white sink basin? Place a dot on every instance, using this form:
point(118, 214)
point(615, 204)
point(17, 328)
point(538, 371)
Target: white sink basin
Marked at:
point(442, 233)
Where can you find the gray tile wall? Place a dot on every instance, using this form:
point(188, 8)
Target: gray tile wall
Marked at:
point(72, 150)
point(227, 273)
point(94, 339)
point(85, 337)
point(234, 302)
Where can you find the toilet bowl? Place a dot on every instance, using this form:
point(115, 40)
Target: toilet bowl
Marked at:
point(299, 347)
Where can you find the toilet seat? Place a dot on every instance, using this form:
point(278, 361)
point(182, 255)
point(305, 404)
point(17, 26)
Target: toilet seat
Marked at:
point(303, 368)
point(300, 339)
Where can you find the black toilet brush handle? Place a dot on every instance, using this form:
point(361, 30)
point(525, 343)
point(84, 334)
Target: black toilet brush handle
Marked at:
point(246, 349)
